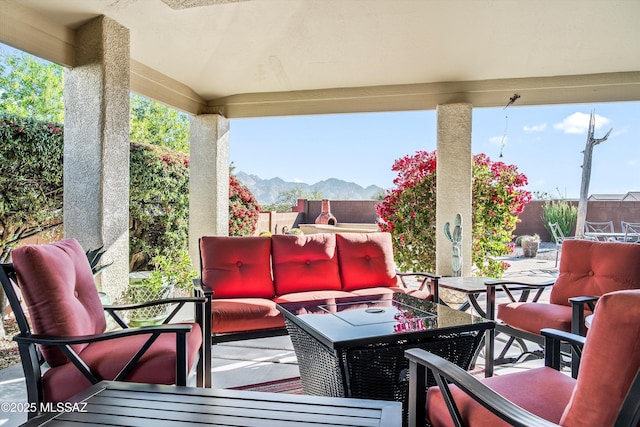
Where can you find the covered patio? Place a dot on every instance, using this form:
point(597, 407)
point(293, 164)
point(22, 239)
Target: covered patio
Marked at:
point(219, 60)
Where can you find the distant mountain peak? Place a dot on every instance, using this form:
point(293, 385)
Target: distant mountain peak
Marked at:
point(267, 190)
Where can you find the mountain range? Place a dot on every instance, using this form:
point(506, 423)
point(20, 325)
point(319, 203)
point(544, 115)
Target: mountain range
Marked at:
point(267, 190)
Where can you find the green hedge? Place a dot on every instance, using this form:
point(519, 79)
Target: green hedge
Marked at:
point(31, 198)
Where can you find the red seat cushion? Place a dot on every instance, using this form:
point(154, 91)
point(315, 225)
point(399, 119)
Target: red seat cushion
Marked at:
point(107, 358)
point(244, 314)
point(595, 268)
point(366, 260)
point(59, 291)
point(305, 263)
point(542, 391)
point(532, 317)
point(237, 267)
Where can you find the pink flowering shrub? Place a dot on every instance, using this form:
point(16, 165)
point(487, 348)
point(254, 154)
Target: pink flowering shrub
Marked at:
point(408, 212)
point(244, 209)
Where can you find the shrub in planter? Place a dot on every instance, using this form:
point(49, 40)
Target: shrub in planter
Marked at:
point(172, 272)
point(530, 245)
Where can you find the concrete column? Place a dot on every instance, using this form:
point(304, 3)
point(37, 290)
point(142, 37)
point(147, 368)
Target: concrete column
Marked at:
point(453, 180)
point(96, 147)
point(208, 180)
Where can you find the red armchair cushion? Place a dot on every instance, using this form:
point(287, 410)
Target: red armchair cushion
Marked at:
point(532, 317)
point(610, 361)
point(542, 391)
point(305, 263)
point(236, 267)
point(59, 291)
point(595, 268)
point(107, 358)
point(366, 260)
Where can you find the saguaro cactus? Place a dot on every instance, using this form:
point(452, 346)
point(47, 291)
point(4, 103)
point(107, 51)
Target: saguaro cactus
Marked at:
point(456, 249)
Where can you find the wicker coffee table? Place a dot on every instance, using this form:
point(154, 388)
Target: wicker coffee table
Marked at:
point(354, 346)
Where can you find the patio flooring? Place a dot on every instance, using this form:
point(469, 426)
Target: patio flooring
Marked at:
point(242, 363)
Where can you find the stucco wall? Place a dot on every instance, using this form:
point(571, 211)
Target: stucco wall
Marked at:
point(363, 211)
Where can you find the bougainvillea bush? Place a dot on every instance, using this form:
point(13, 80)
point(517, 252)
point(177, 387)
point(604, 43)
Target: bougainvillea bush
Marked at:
point(244, 209)
point(408, 212)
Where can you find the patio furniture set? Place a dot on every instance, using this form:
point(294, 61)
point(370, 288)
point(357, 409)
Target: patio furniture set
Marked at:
point(367, 342)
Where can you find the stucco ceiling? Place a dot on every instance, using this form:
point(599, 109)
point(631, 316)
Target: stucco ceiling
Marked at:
point(271, 57)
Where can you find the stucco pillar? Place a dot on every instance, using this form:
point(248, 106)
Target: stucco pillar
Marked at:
point(96, 147)
point(453, 180)
point(208, 180)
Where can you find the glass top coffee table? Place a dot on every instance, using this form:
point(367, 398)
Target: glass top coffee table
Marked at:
point(354, 347)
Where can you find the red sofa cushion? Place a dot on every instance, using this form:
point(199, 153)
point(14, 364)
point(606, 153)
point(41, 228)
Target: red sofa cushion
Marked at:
point(304, 263)
point(595, 268)
point(546, 394)
point(610, 361)
point(244, 314)
point(366, 260)
point(237, 267)
point(107, 358)
point(61, 296)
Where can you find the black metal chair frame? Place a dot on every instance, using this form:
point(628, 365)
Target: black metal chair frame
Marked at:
point(445, 372)
point(33, 361)
point(519, 336)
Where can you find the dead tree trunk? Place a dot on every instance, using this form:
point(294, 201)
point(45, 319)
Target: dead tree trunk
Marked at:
point(586, 174)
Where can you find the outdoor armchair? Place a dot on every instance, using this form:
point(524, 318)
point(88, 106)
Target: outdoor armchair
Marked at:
point(605, 393)
point(63, 343)
point(558, 237)
point(588, 269)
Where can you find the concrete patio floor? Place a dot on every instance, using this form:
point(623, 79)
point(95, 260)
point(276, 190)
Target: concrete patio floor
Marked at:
point(242, 363)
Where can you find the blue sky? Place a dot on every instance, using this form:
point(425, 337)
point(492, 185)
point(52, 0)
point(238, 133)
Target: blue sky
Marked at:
point(545, 143)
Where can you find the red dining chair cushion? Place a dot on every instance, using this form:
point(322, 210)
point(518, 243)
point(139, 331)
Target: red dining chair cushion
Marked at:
point(366, 260)
point(237, 267)
point(594, 269)
point(107, 358)
point(57, 285)
point(304, 263)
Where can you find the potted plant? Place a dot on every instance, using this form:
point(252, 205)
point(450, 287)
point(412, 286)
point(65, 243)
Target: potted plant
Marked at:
point(530, 245)
point(170, 273)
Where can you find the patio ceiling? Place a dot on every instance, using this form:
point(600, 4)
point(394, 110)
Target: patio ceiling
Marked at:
point(251, 58)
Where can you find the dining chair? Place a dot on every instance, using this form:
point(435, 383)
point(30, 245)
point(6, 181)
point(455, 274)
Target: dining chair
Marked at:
point(599, 227)
point(606, 391)
point(632, 232)
point(63, 342)
point(558, 237)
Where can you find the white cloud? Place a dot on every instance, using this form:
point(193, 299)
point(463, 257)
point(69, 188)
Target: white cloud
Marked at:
point(498, 140)
point(578, 123)
point(535, 128)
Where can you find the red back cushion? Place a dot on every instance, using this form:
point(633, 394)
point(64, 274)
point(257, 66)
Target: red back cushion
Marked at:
point(610, 361)
point(595, 268)
point(305, 263)
point(237, 267)
point(61, 296)
point(366, 260)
